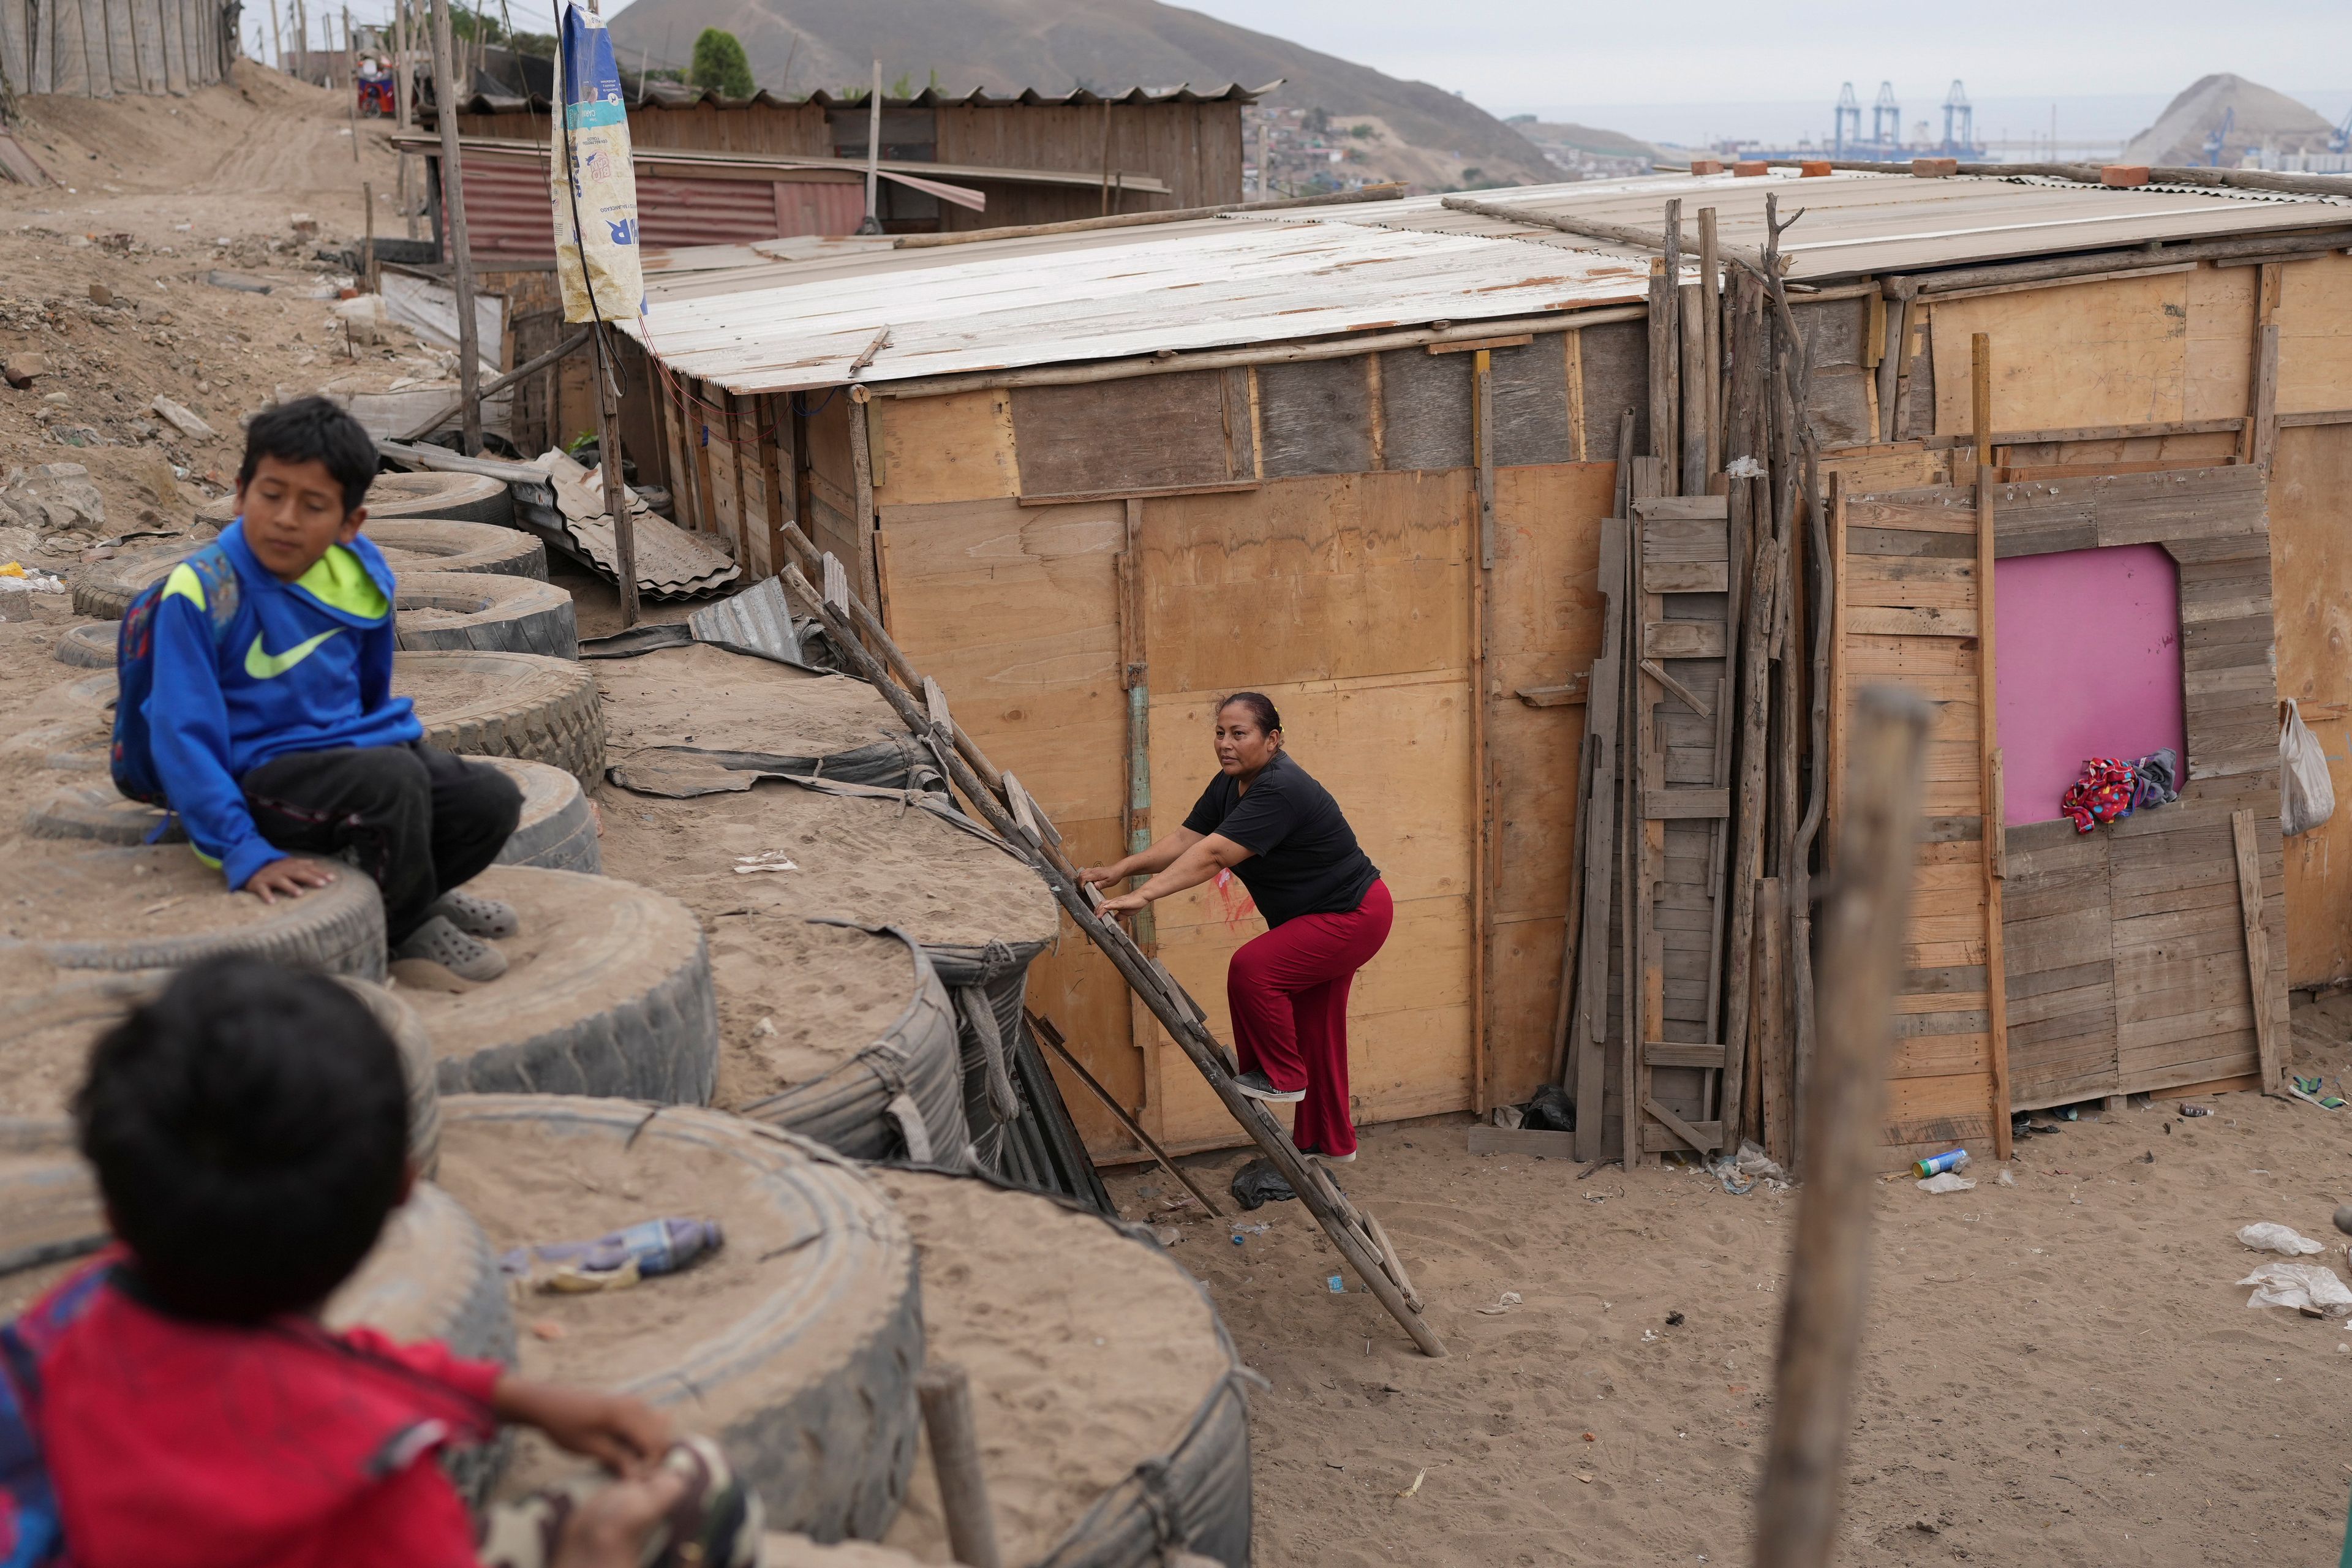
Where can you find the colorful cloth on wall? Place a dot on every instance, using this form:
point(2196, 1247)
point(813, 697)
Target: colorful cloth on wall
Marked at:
point(2104, 794)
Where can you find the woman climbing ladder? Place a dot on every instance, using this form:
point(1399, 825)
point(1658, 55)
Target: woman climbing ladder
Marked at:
point(1327, 913)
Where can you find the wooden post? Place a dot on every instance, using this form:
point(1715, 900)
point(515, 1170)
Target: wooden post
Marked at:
point(616, 505)
point(461, 255)
point(768, 426)
point(1482, 880)
point(1989, 780)
point(2258, 950)
point(400, 81)
point(945, 1394)
point(374, 278)
point(1776, 1124)
point(351, 69)
point(873, 223)
point(1711, 341)
point(1697, 388)
point(1862, 931)
point(1750, 505)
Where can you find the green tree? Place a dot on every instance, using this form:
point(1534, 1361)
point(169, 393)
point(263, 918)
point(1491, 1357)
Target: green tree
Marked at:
point(719, 63)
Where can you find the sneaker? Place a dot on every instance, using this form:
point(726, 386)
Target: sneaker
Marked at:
point(478, 916)
point(1257, 1086)
point(438, 941)
point(1347, 1159)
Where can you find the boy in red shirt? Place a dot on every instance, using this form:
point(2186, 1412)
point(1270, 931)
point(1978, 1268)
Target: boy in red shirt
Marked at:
point(250, 1130)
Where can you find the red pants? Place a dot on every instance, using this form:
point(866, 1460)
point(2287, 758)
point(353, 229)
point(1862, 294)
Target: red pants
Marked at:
point(1288, 991)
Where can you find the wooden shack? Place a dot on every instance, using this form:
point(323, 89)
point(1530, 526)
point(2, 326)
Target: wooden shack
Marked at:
point(1433, 478)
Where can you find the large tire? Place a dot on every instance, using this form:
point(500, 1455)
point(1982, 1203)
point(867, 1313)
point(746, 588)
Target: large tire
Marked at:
point(900, 1098)
point(426, 544)
point(558, 829)
point(89, 646)
point(45, 1042)
point(161, 907)
point(804, 1371)
point(1014, 1281)
point(95, 814)
point(484, 611)
point(507, 705)
point(457, 497)
point(607, 992)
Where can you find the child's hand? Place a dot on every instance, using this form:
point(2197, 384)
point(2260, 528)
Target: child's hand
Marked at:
point(289, 876)
point(625, 1436)
point(611, 1527)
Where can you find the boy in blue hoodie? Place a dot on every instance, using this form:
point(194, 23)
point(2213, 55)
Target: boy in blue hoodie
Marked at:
point(277, 737)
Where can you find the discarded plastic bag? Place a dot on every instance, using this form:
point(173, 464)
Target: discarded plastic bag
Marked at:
point(1258, 1184)
point(2268, 1238)
point(649, 1247)
point(2306, 795)
point(1946, 1182)
point(2299, 1286)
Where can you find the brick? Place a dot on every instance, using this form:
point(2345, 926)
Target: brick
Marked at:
point(2124, 174)
point(1706, 166)
point(1814, 168)
point(1749, 168)
point(1935, 168)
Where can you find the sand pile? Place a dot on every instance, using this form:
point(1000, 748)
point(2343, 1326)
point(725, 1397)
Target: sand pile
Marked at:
point(1087, 1351)
point(706, 697)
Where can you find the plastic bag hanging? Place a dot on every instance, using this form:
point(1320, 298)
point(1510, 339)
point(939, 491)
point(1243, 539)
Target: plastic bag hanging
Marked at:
point(592, 183)
point(2306, 795)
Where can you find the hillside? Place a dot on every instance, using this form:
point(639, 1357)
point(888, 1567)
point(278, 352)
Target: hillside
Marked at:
point(2256, 116)
point(1056, 45)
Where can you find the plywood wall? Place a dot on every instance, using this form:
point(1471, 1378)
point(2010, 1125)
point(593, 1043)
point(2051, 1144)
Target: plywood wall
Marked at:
point(1320, 547)
point(2181, 346)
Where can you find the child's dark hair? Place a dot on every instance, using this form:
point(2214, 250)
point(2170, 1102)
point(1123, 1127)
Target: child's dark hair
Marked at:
point(308, 428)
point(250, 1130)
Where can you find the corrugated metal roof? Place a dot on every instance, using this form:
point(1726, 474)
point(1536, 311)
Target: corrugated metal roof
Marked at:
point(1309, 272)
point(791, 325)
point(674, 95)
point(1857, 223)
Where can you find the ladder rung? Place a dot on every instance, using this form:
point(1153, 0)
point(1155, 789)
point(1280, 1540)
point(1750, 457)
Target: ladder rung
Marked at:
point(1673, 1054)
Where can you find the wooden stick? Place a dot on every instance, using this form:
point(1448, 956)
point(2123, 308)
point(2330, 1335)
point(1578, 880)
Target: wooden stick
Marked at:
point(1711, 339)
point(1990, 783)
point(2258, 952)
point(616, 493)
point(374, 276)
point(1043, 1028)
point(461, 253)
point(1862, 931)
point(1749, 505)
point(945, 1394)
point(1484, 835)
point(572, 344)
point(1150, 979)
point(1593, 228)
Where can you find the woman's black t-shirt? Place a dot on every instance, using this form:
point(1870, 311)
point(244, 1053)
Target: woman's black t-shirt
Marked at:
point(1304, 860)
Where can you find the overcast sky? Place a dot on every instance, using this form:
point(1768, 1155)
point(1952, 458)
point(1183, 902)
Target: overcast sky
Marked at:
point(1514, 55)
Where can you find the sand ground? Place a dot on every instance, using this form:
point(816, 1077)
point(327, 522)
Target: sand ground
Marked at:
point(2060, 1372)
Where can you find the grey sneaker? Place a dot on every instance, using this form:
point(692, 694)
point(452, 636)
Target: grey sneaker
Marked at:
point(1347, 1159)
point(478, 916)
point(1257, 1086)
point(440, 942)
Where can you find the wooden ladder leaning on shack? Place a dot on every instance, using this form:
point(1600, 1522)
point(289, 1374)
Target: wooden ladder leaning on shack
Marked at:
point(920, 703)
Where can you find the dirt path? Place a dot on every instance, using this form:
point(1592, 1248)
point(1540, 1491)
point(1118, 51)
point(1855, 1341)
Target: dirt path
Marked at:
point(2057, 1373)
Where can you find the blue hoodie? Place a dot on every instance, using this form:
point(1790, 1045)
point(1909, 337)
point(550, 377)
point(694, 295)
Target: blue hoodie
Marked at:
point(303, 666)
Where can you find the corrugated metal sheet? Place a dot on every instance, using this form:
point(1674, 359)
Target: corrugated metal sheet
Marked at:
point(1301, 273)
point(1858, 223)
point(674, 95)
point(509, 215)
point(1213, 286)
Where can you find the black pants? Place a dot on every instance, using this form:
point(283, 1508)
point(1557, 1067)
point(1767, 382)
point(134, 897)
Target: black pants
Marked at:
point(419, 820)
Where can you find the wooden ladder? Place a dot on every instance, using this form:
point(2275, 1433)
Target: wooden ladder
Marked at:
point(922, 707)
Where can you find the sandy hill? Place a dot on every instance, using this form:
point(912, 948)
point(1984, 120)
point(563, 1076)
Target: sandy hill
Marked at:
point(1589, 140)
point(1056, 45)
point(2257, 116)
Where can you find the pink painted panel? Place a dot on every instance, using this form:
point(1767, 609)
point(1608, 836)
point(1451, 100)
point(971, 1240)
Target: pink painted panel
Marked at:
point(2087, 665)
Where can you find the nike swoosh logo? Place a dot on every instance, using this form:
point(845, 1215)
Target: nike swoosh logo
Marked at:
point(263, 666)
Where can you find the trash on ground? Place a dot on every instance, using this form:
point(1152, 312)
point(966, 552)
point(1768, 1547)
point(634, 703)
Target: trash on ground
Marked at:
point(1336, 1285)
point(767, 860)
point(2006, 1177)
point(1740, 1172)
point(2298, 1286)
point(2269, 1238)
point(1166, 1235)
point(1258, 1184)
point(618, 1259)
point(1548, 1111)
point(1418, 1475)
point(2187, 1110)
point(1937, 1164)
point(1946, 1182)
point(2312, 1090)
point(1503, 1303)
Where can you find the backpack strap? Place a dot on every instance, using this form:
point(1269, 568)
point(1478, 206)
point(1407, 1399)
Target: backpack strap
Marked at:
point(209, 578)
